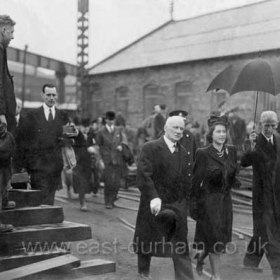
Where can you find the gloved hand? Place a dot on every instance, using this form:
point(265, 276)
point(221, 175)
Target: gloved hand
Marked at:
point(155, 205)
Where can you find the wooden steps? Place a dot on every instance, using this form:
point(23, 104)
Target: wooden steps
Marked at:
point(64, 262)
point(44, 214)
point(41, 241)
point(94, 267)
point(10, 262)
point(49, 233)
point(25, 198)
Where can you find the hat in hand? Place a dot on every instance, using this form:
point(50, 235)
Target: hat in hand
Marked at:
point(167, 222)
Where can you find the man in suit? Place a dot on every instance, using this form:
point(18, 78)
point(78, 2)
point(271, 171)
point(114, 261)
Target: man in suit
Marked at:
point(39, 140)
point(263, 154)
point(110, 139)
point(7, 108)
point(159, 120)
point(162, 217)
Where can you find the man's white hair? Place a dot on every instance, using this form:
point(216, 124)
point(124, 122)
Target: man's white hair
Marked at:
point(171, 120)
point(268, 116)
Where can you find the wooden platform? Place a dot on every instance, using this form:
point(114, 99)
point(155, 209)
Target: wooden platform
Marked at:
point(25, 198)
point(24, 272)
point(61, 232)
point(40, 244)
point(44, 214)
point(10, 262)
point(95, 267)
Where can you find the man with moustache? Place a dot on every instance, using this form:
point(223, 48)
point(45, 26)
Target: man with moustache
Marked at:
point(161, 224)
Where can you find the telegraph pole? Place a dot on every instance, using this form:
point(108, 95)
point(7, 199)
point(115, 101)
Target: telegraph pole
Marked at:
point(171, 10)
point(82, 54)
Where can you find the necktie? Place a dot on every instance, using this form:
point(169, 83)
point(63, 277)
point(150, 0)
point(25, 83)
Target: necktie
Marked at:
point(175, 148)
point(50, 119)
point(270, 142)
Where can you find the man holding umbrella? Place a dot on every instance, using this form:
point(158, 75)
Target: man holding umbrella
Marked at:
point(264, 155)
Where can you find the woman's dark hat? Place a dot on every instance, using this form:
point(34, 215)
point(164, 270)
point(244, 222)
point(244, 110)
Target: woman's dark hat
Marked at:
point(180, 113)
point(215, 118)
point(110, 115)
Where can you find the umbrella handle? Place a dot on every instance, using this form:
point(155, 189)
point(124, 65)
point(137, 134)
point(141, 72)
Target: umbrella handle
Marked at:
point(256, 105)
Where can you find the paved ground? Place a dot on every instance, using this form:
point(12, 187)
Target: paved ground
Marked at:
point(112, 241)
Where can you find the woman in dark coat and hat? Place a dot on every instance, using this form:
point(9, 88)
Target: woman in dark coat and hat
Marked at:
point(214, 175)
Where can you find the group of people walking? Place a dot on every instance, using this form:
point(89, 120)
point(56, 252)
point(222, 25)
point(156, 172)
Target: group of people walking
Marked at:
point(174, 177)
point(168, 195)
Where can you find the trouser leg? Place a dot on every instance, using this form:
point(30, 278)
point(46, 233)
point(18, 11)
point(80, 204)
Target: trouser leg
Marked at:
point(5, 176)
point(47, 186)
point(111, 183)
point(255, 251)
point(182, 267)
point(273, 257)
point(144, 262)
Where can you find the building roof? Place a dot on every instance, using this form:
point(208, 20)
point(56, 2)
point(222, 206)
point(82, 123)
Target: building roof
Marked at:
point(247, 29)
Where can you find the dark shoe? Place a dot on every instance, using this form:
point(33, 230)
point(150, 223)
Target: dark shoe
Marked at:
point(199, 263)
point(9, 205)
point(6, 228)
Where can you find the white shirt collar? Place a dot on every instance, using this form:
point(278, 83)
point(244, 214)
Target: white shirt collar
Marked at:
point(109, 128)
point(271, 138)
point(169, 144)
point(47, 110)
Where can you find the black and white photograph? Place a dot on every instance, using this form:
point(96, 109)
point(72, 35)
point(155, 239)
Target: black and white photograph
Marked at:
point(139, 139)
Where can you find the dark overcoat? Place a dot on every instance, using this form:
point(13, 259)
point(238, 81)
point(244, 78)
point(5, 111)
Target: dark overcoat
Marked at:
point(188, 142)
point(265, 160)
point(212, 180)
point(82, 179)
point(159, 176)
point(39, 143)
point(7, 95)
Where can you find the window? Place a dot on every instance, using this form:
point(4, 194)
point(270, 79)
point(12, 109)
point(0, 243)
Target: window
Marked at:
point(183, 95)
point(122, 100)
point(152, 97)
point(96, 100)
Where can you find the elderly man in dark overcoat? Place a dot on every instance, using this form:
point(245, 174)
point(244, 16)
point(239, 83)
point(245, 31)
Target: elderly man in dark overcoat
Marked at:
point(39, 140)
point(263, 154)
point(161, 226)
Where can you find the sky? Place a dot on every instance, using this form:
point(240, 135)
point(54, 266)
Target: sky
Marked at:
point(49, 27)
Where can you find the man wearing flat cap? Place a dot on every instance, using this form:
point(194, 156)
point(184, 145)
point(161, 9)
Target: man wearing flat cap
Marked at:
point(111, 139)
point(161, 225)
point(187, 141)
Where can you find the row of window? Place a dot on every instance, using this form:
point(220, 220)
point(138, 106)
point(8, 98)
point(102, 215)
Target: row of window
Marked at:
point(152, 95)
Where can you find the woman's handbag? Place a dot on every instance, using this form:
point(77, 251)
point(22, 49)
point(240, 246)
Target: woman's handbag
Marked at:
point(7, 147)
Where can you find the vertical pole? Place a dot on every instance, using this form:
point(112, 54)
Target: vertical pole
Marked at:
point(256, 105)
point(23, 76)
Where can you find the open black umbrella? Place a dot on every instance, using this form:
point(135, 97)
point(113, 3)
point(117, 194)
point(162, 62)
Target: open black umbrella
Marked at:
point(256, 75)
